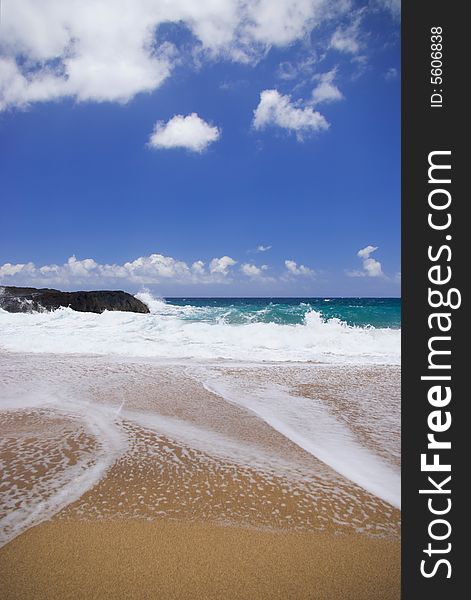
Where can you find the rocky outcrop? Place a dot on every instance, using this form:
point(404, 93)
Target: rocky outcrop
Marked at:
point(24, 299)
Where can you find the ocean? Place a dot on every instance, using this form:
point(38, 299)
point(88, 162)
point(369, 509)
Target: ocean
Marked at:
point(351, 330)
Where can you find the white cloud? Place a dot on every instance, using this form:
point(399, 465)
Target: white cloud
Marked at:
point(10, 270)
point(151, 269)
point(326, 90)
point(275, 109)
point(89, 51)
point(263, 248)
point(301, 68)
point(190, 132)
point(287, 71)
point(391, 74)
point(221, 265)
point(298, 270)
point(347, 39)
point(365, 252)
point(234, 85)
point(252, 270)
point(393, 6)
point(371, 266)
point(157, 266)
point(110, 51)
point(198, 267)
point(284, 21)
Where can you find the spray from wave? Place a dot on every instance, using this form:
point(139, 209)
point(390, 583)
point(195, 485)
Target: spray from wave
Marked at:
point(205, 332)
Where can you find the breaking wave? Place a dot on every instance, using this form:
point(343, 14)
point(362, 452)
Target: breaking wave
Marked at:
point(203, 332)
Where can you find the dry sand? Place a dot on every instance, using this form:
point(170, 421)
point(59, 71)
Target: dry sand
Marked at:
point(133, 559)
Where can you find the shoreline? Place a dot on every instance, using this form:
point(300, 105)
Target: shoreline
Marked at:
point(152, 486)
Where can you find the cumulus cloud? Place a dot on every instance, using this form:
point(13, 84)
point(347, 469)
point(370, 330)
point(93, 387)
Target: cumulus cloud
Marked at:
point(111, 51)
point(10, 270)
point(198, 267)
point(88, 51)
point(151, 269)
point(157, 266)
point(263, 248)
point(275, 109)
point(371, 266)
point(190, 132)
point(326, 90)
point(296, 270)
point(221, 265)
point(253, 271)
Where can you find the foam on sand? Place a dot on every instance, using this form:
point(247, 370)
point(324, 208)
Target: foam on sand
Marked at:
point(77, 419)
point(66, 448)
point(309, 424)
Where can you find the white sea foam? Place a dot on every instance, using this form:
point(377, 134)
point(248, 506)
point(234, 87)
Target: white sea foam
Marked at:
point(180, 332)
point(74, 412)
point(63, 482)
point(310, 424)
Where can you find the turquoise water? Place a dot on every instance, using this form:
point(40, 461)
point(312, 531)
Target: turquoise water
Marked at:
point(360, 312)
point(345, 330)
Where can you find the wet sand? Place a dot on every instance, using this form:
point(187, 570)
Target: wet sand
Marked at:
point(150, 486)
point(132, 559)
point(156, 528)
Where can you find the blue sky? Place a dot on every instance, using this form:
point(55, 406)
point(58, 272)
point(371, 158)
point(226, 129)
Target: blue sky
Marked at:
point(219, 153)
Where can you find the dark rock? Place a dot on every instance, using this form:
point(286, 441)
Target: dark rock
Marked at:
point(24, 299)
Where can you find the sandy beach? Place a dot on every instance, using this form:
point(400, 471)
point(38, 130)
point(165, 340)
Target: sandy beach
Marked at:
point(137, 481)
point(162, 559)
